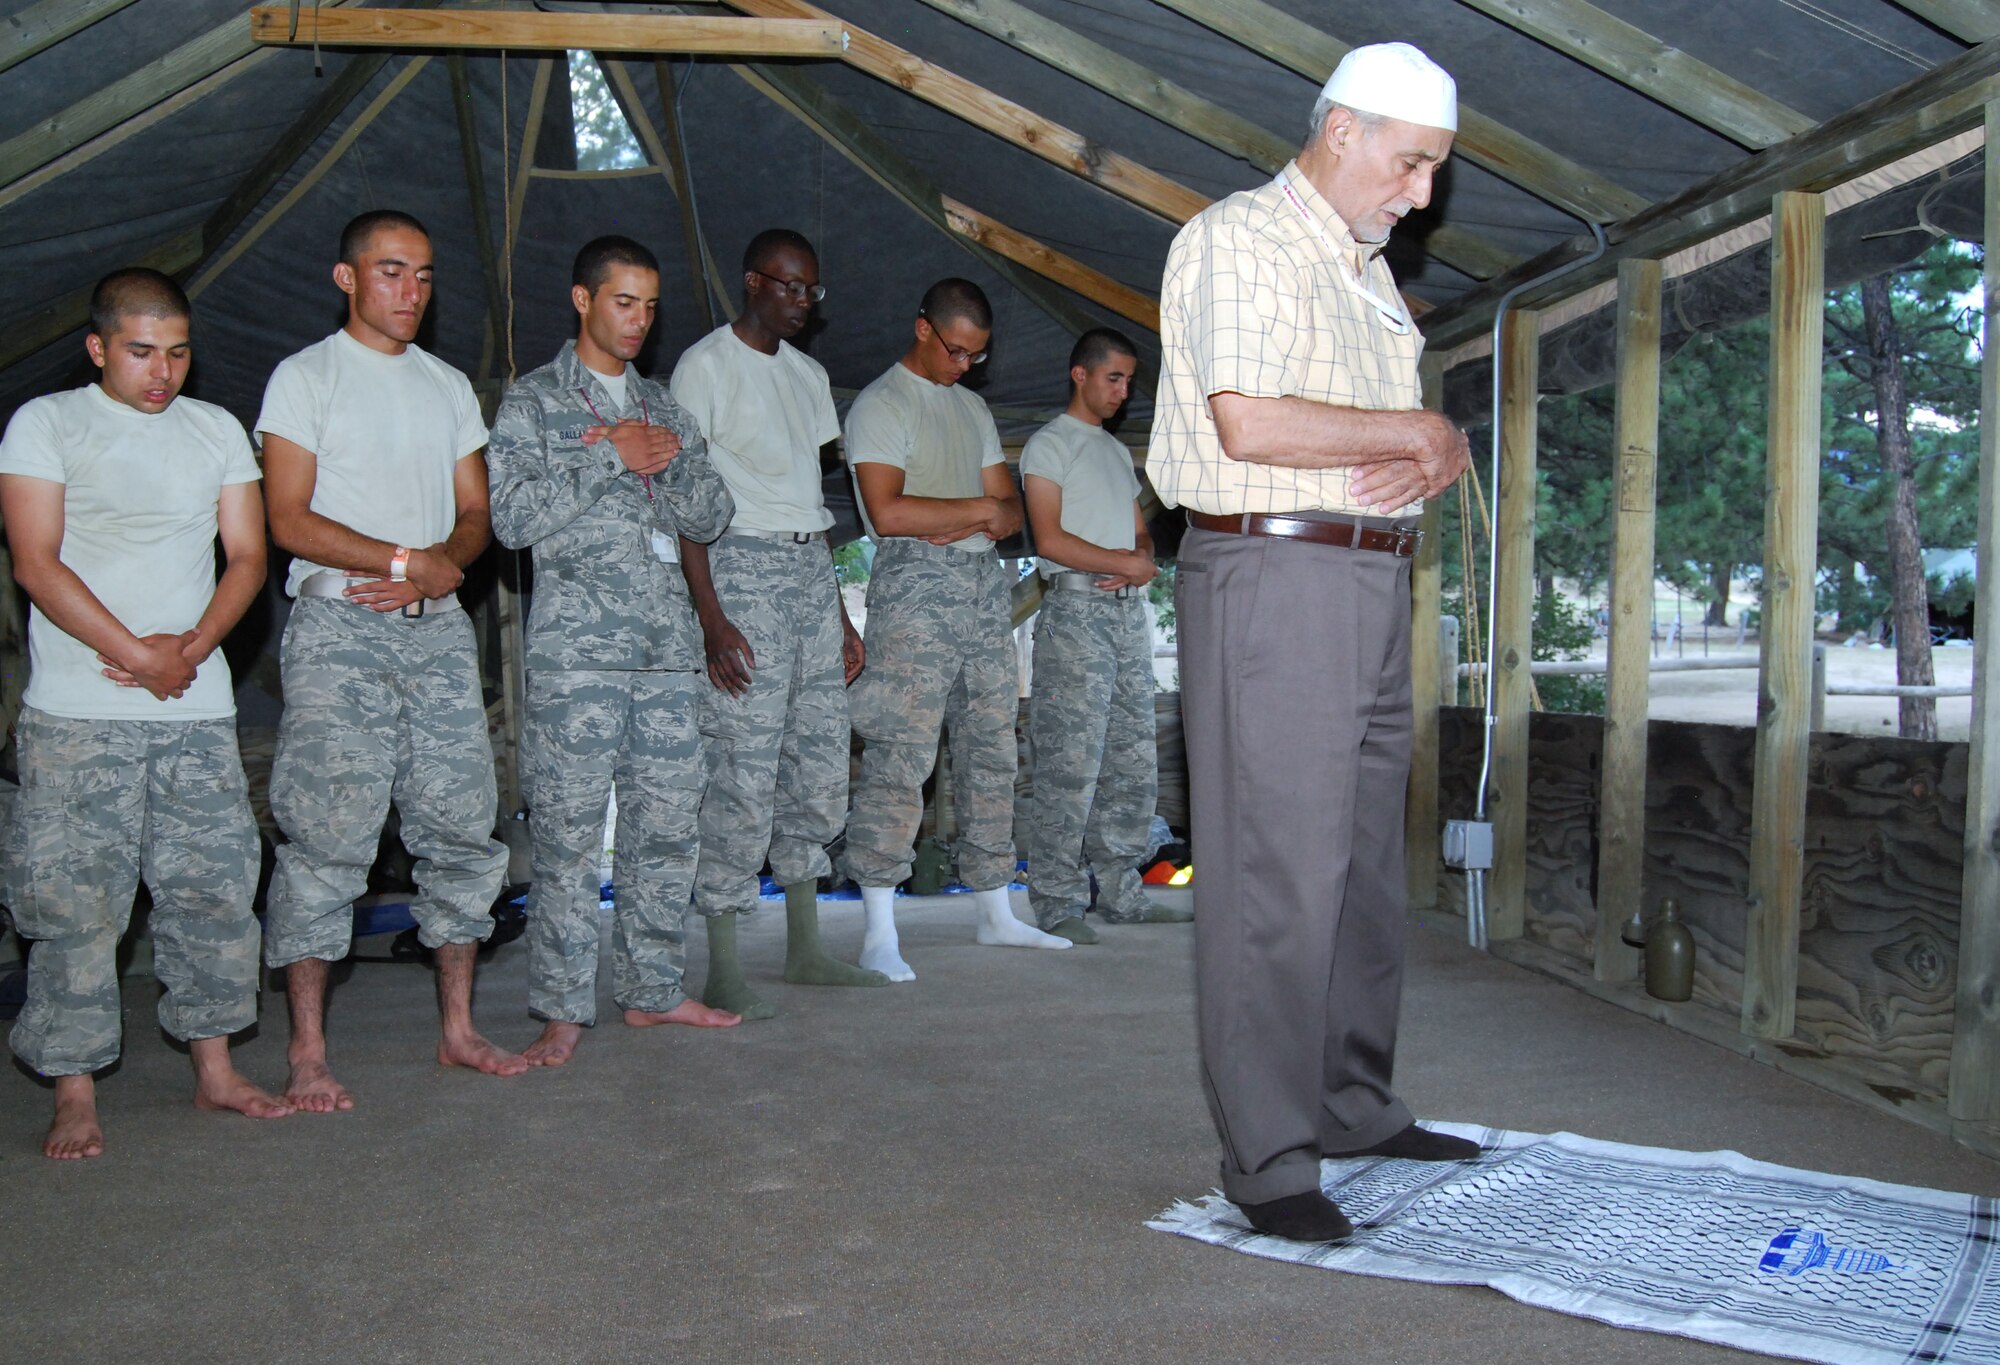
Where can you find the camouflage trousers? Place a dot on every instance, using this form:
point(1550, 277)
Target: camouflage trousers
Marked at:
point(380, 708)
point(102, 804)
point(589, 732)
point(778, 754)
point(1096, 776)
point(940, 656)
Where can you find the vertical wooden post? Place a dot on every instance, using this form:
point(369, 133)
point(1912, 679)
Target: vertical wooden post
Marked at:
point(1975, 1044)
point(1421, 855)
point(1512, 639)
point(1784, 677)
point(1621, 845)
point(683, 180)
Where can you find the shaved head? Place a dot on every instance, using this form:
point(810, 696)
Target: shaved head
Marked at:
point(135, 292)
point(954, 299)
point(360, 231)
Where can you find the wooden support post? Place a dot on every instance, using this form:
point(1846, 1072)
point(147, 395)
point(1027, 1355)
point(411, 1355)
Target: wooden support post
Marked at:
point(1975, 1044)
point(1621, 845)
point(665, 157)
point(1817, 719)
point(465, 104)
point(1421, 855)
point(1511, 644)
point(675, 147)
point(1791, 542)
point(1448, 657)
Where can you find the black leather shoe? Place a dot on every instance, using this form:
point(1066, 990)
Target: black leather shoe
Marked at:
point(1306, 1217)
point(1416, 1143)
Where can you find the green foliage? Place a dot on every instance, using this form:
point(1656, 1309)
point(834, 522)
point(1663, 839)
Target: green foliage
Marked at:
point(1563, 631)
point(850, 562)
point(1160, 592)
point(604, 140)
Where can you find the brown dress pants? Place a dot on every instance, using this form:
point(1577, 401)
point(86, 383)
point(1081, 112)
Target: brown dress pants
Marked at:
point(1295, 679)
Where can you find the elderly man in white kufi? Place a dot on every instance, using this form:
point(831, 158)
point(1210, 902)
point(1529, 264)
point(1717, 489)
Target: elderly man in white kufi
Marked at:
point(1290, 429)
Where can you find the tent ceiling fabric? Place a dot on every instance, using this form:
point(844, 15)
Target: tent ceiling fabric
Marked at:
point(753, 165)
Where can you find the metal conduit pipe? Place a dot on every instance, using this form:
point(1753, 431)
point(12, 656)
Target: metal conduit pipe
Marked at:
point(1475, 887)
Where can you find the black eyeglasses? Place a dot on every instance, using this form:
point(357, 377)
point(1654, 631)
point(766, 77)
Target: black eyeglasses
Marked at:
point(798, 291)
point(958, 354)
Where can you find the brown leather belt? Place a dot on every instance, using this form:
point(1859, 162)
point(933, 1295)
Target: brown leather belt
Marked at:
point(1345, 534)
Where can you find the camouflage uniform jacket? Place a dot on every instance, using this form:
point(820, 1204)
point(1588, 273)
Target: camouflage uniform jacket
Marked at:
point(602, 598)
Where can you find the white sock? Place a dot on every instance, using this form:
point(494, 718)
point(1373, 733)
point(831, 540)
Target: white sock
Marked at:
point(1000, 928)
point(879, 950)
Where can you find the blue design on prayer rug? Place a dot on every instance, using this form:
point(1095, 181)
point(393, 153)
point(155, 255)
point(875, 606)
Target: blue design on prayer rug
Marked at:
point(1707, 1245)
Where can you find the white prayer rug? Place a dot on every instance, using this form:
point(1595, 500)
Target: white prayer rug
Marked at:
point(1708, 1245)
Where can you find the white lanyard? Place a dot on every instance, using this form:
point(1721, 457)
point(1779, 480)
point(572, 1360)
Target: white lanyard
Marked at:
point(1392, 315)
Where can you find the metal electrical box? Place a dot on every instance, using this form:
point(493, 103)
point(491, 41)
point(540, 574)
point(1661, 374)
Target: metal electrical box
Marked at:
point(1468, 845)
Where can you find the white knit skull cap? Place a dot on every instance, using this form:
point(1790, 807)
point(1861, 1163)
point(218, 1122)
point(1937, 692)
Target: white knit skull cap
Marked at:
point(1396, 81)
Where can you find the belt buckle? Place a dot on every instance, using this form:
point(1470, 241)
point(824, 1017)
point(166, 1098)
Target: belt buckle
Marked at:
point(415, 610)
point(1409, 539)
point(1124, 591)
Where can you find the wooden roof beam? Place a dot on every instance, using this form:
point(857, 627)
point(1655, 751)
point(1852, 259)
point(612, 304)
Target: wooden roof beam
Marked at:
point(528, 31)
point(1931, 107)
point(41, 26)
point(185, 253)
point(1971, 21)
point(1108, 170)
point(193, 61)
point(1298, 46)
point(1150, 93)
point(1635, 58)
point(1021, 260)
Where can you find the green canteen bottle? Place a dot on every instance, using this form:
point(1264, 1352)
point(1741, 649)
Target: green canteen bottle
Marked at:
point(1669, 955)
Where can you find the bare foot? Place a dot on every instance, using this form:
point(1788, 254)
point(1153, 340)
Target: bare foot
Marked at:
point(231, 1091)
point(691, 1012)
point(469, 1049)
point(73, 1133)
point(556, 1045)
point(313, 1090)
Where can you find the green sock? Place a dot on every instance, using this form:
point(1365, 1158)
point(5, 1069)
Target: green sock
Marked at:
point(1073, 929)
point(726, 989)
point(806, 963)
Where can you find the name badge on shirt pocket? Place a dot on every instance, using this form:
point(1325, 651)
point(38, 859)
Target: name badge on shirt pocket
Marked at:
point(666, 548)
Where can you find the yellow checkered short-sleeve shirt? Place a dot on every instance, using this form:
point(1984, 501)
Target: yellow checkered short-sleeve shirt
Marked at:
point(1255, 302)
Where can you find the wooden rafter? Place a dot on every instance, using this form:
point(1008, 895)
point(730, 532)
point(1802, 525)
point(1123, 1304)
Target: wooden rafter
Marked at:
point(1292, 43)
point(104, 109)
point(1936, 105)
point(668, 163)
point(465, 106)
point(1051, 264)
point(683, 186)
point(127, 129)
point(1635, 58)
point(41, 26)
point(1971, 21)
point(808, 101)
point(186, 252)
point(212, 270)
point(1146, 90)
point(529, 31)
point(1023, 127)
